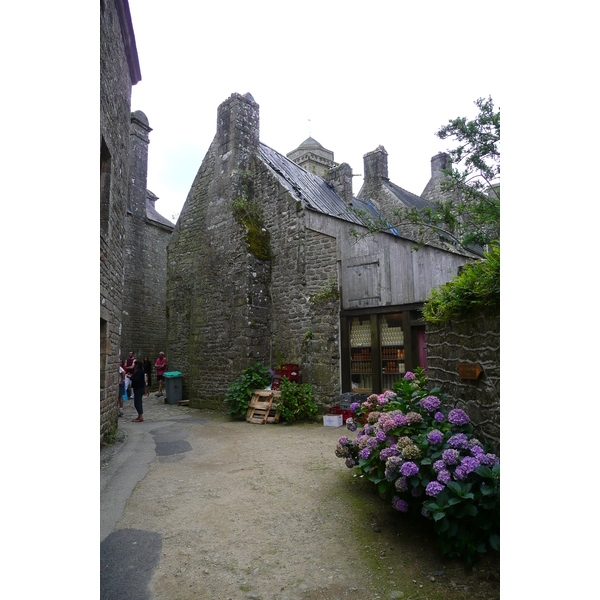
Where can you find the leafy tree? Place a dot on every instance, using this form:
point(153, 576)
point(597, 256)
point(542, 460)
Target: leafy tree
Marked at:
point(472, 215)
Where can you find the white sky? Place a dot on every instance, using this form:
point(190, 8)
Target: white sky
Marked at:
point(383, 73)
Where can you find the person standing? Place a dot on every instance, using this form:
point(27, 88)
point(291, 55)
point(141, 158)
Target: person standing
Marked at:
point(161, 367)
point(148, 372)
point(129, 365)
point(138, 383)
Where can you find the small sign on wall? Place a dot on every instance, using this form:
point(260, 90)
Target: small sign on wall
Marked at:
point(469, 370)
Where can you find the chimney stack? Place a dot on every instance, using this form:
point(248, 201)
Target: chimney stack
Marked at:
point(237, 132)
point(376, 164)
point(341, 178)
point(438, 162)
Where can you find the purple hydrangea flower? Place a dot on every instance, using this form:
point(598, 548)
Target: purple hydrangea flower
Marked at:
point(373, 417)
point(409, 468)
point(433, 488)
point(382, 400)
point(458, 416)
point(385, 454)
point(399, 504)
point(368, 429)
point(469, 464)
point(389, 394)
point(350, 462)
point(388, 425)
point(435, 436)
point(439, 465)
point(425, 513)
point(350, 424)
point(413, 417)
point(451, 456)
point(401, 485)
point(380, 435)
point(439, 416)
point(477, 451)
point(459, 441)
point(489, 459)
point(372, 442)
point(365, 453)
point(355, 406)
point(393, 450)
point(399, 420)
point(444, 476)
point(430, 403)
point(409, 375)
point(460, 473)
point(343, 441)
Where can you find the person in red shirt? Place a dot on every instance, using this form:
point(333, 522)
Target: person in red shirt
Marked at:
point(161, 367)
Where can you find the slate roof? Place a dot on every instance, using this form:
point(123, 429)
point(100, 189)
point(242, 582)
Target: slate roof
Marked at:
point(407, 198)
point(315, 192)
point(153, 214)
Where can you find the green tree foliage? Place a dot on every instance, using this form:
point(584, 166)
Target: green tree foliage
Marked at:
point(472, 214)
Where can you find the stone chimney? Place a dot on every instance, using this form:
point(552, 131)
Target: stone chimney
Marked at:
point(237, 132)
point(341, 178)
point(376, 171)
point(432, 191)
point(138, 156)
point(439, 162)
point(376, 164)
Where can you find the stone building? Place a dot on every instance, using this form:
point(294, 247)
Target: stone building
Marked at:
point(262, 265)
point(119, 71)
point(146, 236)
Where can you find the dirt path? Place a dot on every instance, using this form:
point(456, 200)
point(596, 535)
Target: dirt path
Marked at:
point(268, 512)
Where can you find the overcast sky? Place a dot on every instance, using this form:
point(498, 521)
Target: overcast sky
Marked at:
point(364, 74)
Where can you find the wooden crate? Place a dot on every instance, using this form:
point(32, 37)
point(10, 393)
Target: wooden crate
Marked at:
point(261, 409)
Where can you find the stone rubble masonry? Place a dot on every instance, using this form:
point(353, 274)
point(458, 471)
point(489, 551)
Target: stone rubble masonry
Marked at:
point(475, 340)
point(144, 309)
point(227, 309)
point(116, 65)
point(432, 192)
point(341, 179)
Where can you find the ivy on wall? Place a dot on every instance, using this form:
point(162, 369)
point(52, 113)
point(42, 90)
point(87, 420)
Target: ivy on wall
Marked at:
point(475, 289)
point(248, 214)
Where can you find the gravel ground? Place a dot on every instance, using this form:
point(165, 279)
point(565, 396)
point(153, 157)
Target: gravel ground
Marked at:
point(269, 512)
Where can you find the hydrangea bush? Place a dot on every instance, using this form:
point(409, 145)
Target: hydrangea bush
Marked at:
point(424, 458)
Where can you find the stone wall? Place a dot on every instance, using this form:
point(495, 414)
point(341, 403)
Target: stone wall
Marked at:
point(321, 351)
point(115, 106)
point(228, 304)
point(144, 309)
point(476, 340)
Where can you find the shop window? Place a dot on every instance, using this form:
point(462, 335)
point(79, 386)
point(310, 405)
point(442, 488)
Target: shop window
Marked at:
point(393, 357)
point(361, 374)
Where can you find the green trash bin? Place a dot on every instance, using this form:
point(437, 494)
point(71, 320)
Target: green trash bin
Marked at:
point(173, 385)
